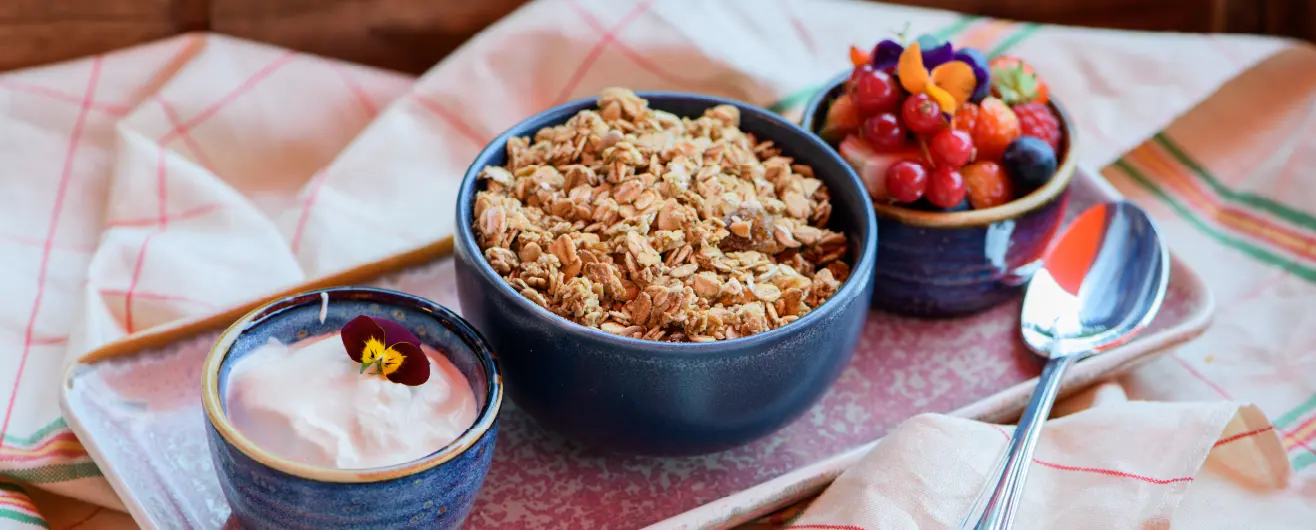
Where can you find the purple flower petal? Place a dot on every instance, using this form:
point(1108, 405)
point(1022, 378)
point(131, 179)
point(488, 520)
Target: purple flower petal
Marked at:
point(415, 368)
point(395, 332)
point(886, 54)
point(978, 62)
point(937, 56)
point(355, 334)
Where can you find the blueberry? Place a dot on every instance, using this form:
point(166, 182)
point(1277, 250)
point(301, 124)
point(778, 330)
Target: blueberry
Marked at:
point(927, 206)
point(921, 204)
point(1030, 162)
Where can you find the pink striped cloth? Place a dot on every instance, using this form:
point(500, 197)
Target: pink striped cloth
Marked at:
point(164, 181)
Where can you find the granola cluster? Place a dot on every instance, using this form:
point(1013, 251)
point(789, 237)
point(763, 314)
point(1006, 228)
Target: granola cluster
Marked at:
point(647, 225)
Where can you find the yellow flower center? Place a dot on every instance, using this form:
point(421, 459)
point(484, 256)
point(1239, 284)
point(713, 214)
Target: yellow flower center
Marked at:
point(386, 358)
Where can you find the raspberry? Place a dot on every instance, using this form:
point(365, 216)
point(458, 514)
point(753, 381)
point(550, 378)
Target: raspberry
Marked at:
point(1037, 120)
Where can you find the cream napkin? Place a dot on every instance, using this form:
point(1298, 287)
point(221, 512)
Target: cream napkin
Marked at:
point(1118, 464)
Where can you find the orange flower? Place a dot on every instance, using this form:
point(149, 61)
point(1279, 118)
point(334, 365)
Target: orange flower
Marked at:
point(859, 57)
point(949, 84)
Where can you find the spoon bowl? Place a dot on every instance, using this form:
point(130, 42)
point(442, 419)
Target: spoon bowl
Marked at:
point(1101, 282)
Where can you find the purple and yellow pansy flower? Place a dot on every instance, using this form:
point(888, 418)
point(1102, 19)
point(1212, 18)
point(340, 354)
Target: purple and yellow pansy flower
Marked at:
point(924, 63)
point(950, 82)
point(388, 347)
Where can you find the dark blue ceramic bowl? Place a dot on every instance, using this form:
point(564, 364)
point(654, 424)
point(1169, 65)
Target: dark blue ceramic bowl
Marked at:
point(635, 396)
point(944, 264)
point(267, 491)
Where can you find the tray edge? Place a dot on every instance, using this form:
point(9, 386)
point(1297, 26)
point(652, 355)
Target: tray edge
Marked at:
point(791, 486)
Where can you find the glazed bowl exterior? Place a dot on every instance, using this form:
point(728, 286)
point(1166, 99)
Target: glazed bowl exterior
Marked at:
point(266, 491)
point(945, 264)
point(643, 397)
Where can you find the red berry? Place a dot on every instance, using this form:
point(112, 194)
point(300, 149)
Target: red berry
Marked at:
point(884, 132)
point(906, 181)
point(922, 114)
point(987, 185)
point(842, 119)
point(871, 164)
point(951, 148)
point(875, 91)
point(996, 127)
point(1037, 120)
point(1015, 81)
point(945, 187)
point(855, 74)
point(965, 118)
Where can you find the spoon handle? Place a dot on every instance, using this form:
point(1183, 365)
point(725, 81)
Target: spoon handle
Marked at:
point(999, 509)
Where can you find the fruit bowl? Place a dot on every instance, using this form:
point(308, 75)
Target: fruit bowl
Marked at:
point(939, 261)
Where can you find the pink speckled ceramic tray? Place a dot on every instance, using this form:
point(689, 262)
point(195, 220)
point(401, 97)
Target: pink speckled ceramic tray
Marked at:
point(136, 407)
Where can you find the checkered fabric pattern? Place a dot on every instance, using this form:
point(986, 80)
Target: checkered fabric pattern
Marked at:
point(165, 181)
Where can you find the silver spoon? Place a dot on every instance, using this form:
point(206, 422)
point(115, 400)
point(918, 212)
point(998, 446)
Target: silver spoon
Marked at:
point(1100, 283)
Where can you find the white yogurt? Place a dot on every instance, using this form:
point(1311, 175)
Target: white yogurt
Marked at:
point(310, 403)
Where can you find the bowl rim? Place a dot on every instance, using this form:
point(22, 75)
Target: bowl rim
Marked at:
point(484, 420)
point(972, 218)
point(861, 273)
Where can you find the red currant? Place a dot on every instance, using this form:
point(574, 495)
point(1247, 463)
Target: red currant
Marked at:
point(951, 148)
point(856, 73)
point(906, 181)
point(965, 118)
point(945, 187)
point(884, 132)
point(922, 114)
point(875, 92)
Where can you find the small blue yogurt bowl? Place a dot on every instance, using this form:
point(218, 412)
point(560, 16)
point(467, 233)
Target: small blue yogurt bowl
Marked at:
point(266, 491)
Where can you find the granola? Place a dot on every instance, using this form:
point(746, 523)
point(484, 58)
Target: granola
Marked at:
point(647, 225)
